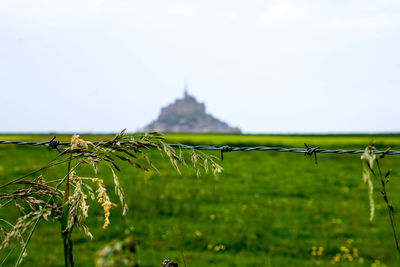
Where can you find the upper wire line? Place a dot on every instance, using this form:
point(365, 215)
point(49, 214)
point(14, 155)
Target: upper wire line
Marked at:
point(307, 150)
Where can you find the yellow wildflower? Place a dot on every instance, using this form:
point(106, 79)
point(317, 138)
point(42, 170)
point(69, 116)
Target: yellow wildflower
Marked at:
point(198, 233)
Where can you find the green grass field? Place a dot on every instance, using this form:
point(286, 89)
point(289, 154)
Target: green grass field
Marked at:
point(265, 209)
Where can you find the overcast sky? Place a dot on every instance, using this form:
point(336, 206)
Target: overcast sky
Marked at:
point(264, 66)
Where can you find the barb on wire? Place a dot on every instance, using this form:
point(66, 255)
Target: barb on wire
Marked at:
point(53, 144)
point(310, 151)
point(225, 149)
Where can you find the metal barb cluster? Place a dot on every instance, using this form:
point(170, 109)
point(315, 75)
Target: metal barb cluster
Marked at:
point(53, 144)
point(310, 151)
point(225, 149)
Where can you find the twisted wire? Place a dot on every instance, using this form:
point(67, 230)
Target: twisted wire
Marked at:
point(224, 148)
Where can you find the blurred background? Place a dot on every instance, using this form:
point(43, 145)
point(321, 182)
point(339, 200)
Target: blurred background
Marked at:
point(254, 69)
point(264, 66)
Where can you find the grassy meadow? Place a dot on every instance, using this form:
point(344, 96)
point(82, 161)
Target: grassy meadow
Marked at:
point(264, 209)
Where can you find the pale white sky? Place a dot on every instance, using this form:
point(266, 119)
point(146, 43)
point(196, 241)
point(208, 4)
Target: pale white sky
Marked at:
point(264, 66)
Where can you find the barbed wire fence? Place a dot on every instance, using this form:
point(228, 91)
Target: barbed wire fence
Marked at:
point(308, 151)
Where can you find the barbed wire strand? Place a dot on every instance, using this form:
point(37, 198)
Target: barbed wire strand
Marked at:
point(308, 150)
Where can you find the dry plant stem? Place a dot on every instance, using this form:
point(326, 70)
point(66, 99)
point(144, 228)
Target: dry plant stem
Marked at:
point(388, 204)
point(50, 164)
point(6, 257)
point(35, 225)
point(8, 202)
point(21, 254)
point(65, 232)
point(183, 259)
point(69, 207)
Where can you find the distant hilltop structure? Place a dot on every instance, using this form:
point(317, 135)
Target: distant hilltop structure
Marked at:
point(186, 115)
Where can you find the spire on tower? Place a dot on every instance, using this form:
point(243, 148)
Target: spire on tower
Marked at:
point(186, 91)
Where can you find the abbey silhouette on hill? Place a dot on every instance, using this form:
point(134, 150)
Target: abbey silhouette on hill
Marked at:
point(186, 115)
